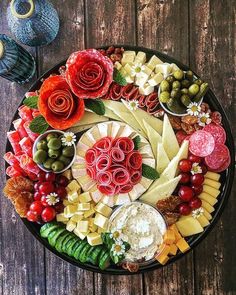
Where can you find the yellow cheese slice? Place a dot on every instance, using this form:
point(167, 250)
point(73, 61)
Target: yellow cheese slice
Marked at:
point(162, 159)
point(103, 209)
point(207, 214)
point(212, 183)
point(90, 117)
point(110, 114)
point(203, 221)
point(188, 226)
point(153, 137)
point(211, 191)
point(212, 175)
point(206, 206)
point(61, 218)
point(79, 128)
point(70, 225)
point(208, 198)
point(121, 199)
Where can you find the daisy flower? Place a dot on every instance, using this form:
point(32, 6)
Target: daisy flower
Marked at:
point(133, 105)
point(52, 199)
point(118, 248)
point(68, 138)
point(196, 168)
point(193, 109)
point(197, 212)
point(136, 70)
point(116, 234)
point(204, 119)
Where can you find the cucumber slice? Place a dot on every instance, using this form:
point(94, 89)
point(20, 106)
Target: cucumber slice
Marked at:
point(104, 261)
point(66, 241)
point(79, 249)
point(76, 245)
point(70, 244)
point(93, 254)
point(47, 228)
point(84, 252)
point(104, 250)
point(70, 249)
point(60, 241)
point(52, 238)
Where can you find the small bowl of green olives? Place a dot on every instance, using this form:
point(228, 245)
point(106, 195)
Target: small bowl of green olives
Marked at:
point(178, 90)
point(50, 154)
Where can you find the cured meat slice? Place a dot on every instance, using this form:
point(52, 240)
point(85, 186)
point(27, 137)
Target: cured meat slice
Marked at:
point(26, 146)
point(142, 101)
point(35, 113)
point(120, 176)
point(104, 144)
point(151, 99)
point(127, 91)
point(109, 190)
point(126, 188)
point(25, 113)
point(134, 94)
point(91, 171)
point(91, 156)
point(33, 136)
point(13, 171)
point(28, 165)
point(134, 160)
point(104, 178)
point(201, 143)
point(10, 158)
point(216, 117)
point(217, 132)
point(218, 157)
point(135, 176)
point(103, 162)
point(124, 143)
point(117, 154)
point(14, 138)
point(223, 167)
point(114, 92)
point(181, 136)
point(19, 126)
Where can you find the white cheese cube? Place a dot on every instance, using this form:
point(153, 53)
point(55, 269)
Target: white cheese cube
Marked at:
point(123, 72)
point(101, 221)
point(73, 186)
point(156, 79)
point(93, 228)
point(82, 226)
point(103, 209)
point(146, 70)
point(117, 65)
point(140, 57)
point(70, 225)
point(164, 69)
point(146, 89)
point(128, 57)
point(108, 201)
point(94, 239)
point(70, 210)
point(100, 230)
point(174, 67)
point(83, 207)
point(77, 217)
point(89, 213)
point(66, 202)
point(128, 69)
point(85, 197)
point(73, 197)
point(129, 79)
point(61, 218)
point(141, 79)
point(154, 60)
point(79, 234)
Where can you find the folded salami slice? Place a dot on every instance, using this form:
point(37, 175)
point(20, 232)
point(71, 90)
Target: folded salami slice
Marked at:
point(25, 113)
point(10, 158)
point(142, 101)
point(109, 190)
point(104, 177)
point(33, 136)
point(14, 138)
point(127, 91)
point(120, 176)
point(26, 146)
point(218, 157)
point(115, 91)
point(117, 154)
point(19, 126)
point(126, 188)
point(13, 171)
point(135, 176)
point(28, 165)
point(92, 173)
point(124, 143)
point(134, 160)
point(201, 143)
point(91, 156)
point(217, 132)
point(104, 144)
point(103, 162)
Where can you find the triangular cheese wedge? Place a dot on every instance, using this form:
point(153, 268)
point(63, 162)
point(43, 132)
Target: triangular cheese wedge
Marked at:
point(110, 114)
point(77, 129)
point(161, 191)
point(169, 139)
point(153, 137)
point(162, 159)
point(89, 118)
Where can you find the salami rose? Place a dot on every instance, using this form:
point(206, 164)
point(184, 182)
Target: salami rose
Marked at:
point(134, 160)
point(126, 188)
point(103, 162)
point(124, 143)
point(120, 176)
point(104, 178)
point(104, 144)
point(201, 143)
point(89, 73)
point(109, 190)
point(92, 173)
point(117, 154)
point(91, 156)
point(218, 157)
point(59, 106)
point(135, 176)
point(217, 132)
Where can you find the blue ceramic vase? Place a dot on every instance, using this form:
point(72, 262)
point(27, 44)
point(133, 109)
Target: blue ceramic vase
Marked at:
point(16, 63)
point(33, 22)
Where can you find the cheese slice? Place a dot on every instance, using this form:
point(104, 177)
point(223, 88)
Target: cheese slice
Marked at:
point(79, 128)
point(169, 139)
point(162, 159)
point(153, 137)
point(137, 191)
point(121, 199)
point(89, 118)
point(140, 57)
point(110, 114)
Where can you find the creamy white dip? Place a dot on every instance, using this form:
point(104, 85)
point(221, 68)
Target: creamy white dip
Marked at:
point(142, 226)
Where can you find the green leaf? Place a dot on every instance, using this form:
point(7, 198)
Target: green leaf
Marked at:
point(95, 105)
point(119, 78)
point(31, 102)
point(137, 141)
point(38, 125)
point(149, 172)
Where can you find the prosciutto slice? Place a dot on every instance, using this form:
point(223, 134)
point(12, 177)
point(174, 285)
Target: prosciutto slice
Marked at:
point(117, 154)
point(124, 143)
point(103, 162)
point(104, 177)
point(91, 156)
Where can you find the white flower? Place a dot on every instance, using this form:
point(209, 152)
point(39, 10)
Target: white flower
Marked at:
point(118, 248)
point(193, 109)
point(198, 212)
point(133, 105)
point(68, 139)
point(116, 234)
point(196, 169)
point(204, 119)
point(136, 70)
point(52, 199)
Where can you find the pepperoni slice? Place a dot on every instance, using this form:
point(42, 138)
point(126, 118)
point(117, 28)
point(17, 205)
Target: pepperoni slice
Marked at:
point(117, 154)
point(103, 162)
point(217, 132)
point(91, 156)
point(134, 160)
point(135, 176)
point(120, 176)
point(218, 157)
point(126, 188)
point(181, 136)
point(124, 143)
point(223, 167)
point(201, 143)
point(104, 178)
point(104, 144)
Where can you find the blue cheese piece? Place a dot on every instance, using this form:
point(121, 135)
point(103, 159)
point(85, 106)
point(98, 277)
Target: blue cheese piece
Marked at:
point(140, 57)
point(154, 60)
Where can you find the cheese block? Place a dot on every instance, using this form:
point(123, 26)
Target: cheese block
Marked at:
point(61, 218)
point(188, 226)
point(156, 79)
point(212, 175)
point(182, 245)
point(169, 139)
point(173, 249)
point(140, 57)
point(207, 214)
point(89, 213)
point(73, 185)
point(117, 65)
point(208, 207)
point(89, 118)
point(83, 206)
point(161, 191)
point(101, 221)
point(165, 69)
point(86, 182)
point(108, 201)
point(208, 198)
point(162, 259)
point(153, 137)
point(103, 209)
point(94, 239)
point(211, 191)
point(128, 57)
point(146, 89)
point(162, 159)
point(203, 221)
point(169, 237)
point(73, 197)
point(141, 79)
point(82, 226)
point(141, 115)
point(153, 61)
point(70, 225)
point(128, 68)
point(212, 183)
point(81, 235)
point(137, 191)
point(70, 210)
point(122, 199)
point(84, 197)
point(77, 217)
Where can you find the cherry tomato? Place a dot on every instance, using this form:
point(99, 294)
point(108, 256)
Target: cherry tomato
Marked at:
point(185, 178)
point(59, 207)
point(197, 179)
point(37, 196)
point(195, 159)
point(37, 185)
point(46, 188)
point(50, 176)
point(185, 193)
point(37, 207)
point(62, 180)
point(195, 203)
point(44, 201)
point(204, 169)
point(185, 165)
point(184, 209)
point(48, 214)
point(61, 191)
point(41, 176)
point(32, 216)
point(197, 189)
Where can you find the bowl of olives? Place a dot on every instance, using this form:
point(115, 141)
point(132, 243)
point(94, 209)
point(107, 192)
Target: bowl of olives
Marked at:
point(50, 154)
point(178, 90)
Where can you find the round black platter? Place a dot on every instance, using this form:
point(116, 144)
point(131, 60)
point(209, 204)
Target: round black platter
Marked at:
point(226, 177)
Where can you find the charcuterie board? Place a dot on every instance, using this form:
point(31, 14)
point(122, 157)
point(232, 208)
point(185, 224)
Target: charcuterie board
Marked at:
point(119, 160)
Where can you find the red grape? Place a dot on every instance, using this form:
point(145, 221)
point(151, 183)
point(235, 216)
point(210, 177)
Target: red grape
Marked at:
point(195, 203)
point(41, 176)
point(61, 191)
point(37, 207)
point(48, 214)
point(185, 178)
point(185, 165)
point(32, 216)
point(197, 189)
point(46, 188)
point(62, 180)
point(44, 201)
point(37, 185)
point(184, 209)
point(50, 176)
point(197, 179)
point(195, 159)
point(37, 196)
point(185, 193)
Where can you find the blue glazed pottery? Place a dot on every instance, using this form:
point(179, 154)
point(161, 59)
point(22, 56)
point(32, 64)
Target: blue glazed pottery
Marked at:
point(33, 22)
point(16, 63)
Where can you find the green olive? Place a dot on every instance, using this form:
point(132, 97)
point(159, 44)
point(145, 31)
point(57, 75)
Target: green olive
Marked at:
point(164, 96)
point(68, 151)
point(198, 82)
point(193, 89)
point(185, 83)
point(175, 93)
point(176, 84)
point(189, 75)
point(185, 99)
point(54, 143)
point(42, 145)
point(66, 161)
point(184, 91)
point(165, 86)
point(203, 90)
point(51, 135)
point(170, 79)
point(178, 74)
point(53, 153)
point(48, 163)
point(57, 166)
point(40, 156)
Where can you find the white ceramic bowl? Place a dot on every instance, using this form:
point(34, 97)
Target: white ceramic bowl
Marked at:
point(44, 135)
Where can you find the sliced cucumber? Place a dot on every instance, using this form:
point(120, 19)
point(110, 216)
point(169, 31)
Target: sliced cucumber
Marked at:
point(84, 253)
point(76, 245)
point(47, 228)
point(70, 245)
point(104, 250)
point(93, 254)
point(70, 249)
point(79, 249)
point(52, 238)
point(104, 261)
point(60, 241)
point(66, 241)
